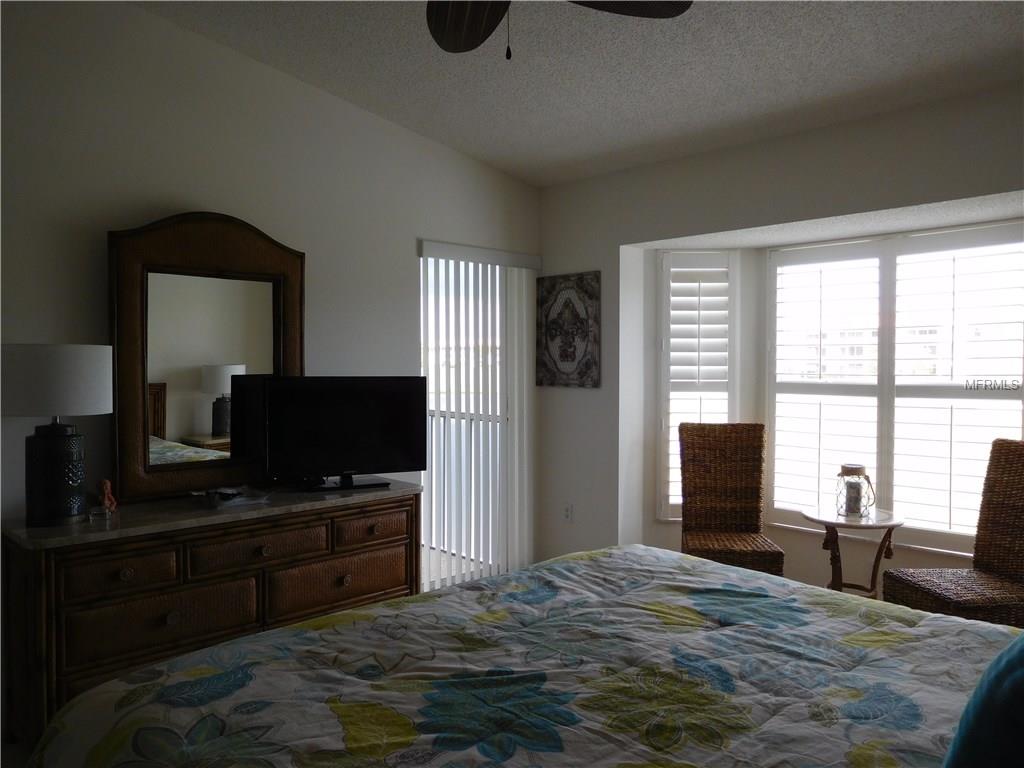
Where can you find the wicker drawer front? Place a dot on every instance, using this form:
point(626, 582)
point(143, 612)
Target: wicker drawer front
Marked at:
point(361, 530)
point(92, 578)
point(254, 551)
point(158, 620)
point(329, 582)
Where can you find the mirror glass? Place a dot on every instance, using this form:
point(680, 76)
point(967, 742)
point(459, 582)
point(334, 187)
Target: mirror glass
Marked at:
point(200, 331)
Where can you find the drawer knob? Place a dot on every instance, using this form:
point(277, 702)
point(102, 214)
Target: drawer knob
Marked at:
point(346, 580)
point(173, 619)
point(264, 551)
point(375, 529)
point(126, 574)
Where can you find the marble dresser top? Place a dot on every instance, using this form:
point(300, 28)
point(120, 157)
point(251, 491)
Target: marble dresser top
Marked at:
point(178, 514)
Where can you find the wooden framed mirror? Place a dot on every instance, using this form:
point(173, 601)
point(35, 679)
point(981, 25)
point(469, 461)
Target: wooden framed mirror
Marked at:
point(196, 297)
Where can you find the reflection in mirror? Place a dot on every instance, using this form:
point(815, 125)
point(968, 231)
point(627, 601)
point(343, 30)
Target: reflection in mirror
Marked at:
point(199, 332)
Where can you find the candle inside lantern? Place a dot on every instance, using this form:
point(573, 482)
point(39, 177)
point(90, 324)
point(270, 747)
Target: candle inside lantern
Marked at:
point(853, 497)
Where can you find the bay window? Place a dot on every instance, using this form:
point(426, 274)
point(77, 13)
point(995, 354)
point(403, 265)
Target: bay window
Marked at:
point(904, 353)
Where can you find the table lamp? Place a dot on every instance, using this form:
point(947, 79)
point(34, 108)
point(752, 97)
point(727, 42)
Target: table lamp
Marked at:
point(217, 381)
point(46, 380)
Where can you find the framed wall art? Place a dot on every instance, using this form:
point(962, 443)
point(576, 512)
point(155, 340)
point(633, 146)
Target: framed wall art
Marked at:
point(569, 330)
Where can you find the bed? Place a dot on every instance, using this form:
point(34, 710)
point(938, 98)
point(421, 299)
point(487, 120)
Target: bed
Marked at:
point(626, 657)
point(162, 450)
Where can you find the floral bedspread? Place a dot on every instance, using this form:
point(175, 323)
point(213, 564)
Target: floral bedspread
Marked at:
point(169, 452)
point(629, 657)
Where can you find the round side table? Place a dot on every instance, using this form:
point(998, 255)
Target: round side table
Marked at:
point(874, 520)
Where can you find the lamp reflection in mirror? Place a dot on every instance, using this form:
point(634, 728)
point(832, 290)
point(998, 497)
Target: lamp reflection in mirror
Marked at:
point(56, 380)
point(217, 381)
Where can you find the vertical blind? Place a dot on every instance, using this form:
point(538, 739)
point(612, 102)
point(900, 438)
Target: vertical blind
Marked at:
point(695, 357)
point(476, 511)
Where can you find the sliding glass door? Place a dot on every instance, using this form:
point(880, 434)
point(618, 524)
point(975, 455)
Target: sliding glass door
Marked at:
point(475, 355)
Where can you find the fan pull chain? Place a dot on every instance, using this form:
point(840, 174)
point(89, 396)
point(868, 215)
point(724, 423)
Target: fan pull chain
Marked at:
point(508, 33)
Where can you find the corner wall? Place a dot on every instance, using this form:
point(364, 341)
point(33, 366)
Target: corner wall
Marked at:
point(114, 117)
point(948, 150)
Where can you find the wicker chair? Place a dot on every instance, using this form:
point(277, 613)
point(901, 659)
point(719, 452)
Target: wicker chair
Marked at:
point(994, 589)
point(722, 467)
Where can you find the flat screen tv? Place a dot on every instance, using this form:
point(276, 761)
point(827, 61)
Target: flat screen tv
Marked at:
point(319, 427)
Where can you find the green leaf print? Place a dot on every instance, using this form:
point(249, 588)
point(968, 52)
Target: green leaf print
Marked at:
point(399, 685)
point(838, 605)
point(492, 617)
point(371, 729)
point(469, 642)
point(666, 708)
point(876, 638)
point(104, 751)
point(676, 615)
point(824, 712)
point(331, 758)
point(871, 754)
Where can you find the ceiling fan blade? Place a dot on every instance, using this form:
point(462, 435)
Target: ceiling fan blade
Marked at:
point(644, 10)
point(462, 26)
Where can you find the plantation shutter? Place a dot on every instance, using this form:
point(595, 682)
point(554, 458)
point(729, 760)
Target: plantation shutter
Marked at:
point(959, 352)
point(695, 356)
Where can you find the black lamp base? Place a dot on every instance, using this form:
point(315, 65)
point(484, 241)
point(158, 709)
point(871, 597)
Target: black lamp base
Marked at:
point(221, 416)
point(54, 475)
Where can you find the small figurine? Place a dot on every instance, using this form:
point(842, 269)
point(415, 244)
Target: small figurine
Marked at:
point(109, 502)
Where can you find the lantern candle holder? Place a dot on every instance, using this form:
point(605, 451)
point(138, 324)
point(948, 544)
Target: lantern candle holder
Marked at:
point(855, 494)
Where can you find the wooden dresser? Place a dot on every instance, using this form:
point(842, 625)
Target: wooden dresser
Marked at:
point(86, 603)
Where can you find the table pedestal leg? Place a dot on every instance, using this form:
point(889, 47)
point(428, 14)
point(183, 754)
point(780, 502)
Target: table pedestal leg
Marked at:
point(884, 548)
point(831, 543)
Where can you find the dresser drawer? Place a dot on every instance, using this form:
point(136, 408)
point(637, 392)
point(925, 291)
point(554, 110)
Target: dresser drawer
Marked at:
point(391, 524)
point(112, 575)
point(256, 550)
point(302, 588)
point(146, 623)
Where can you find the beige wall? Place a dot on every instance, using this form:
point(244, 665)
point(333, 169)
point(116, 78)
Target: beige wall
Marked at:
point(196, 321)
point(588, 439)
point(113, 118)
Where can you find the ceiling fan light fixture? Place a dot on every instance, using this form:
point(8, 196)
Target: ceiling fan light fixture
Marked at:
point(459, 27)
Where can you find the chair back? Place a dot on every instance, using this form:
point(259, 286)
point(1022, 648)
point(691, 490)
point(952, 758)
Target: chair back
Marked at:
point(999, 543)
point(722, 468)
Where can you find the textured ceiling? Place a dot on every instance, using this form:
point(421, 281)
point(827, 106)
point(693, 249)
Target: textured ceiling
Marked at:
point(589, 92)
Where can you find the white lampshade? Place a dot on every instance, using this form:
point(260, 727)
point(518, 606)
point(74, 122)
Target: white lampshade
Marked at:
point(57, 379)
point(217, 378)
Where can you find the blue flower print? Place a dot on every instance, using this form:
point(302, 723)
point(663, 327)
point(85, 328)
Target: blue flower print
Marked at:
point(702, 668)
point(207, 743)
point(786, 679)
point(731, 604)
point(203, 690)
point(883, 707)
point(496, 712)
point(533, 590)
